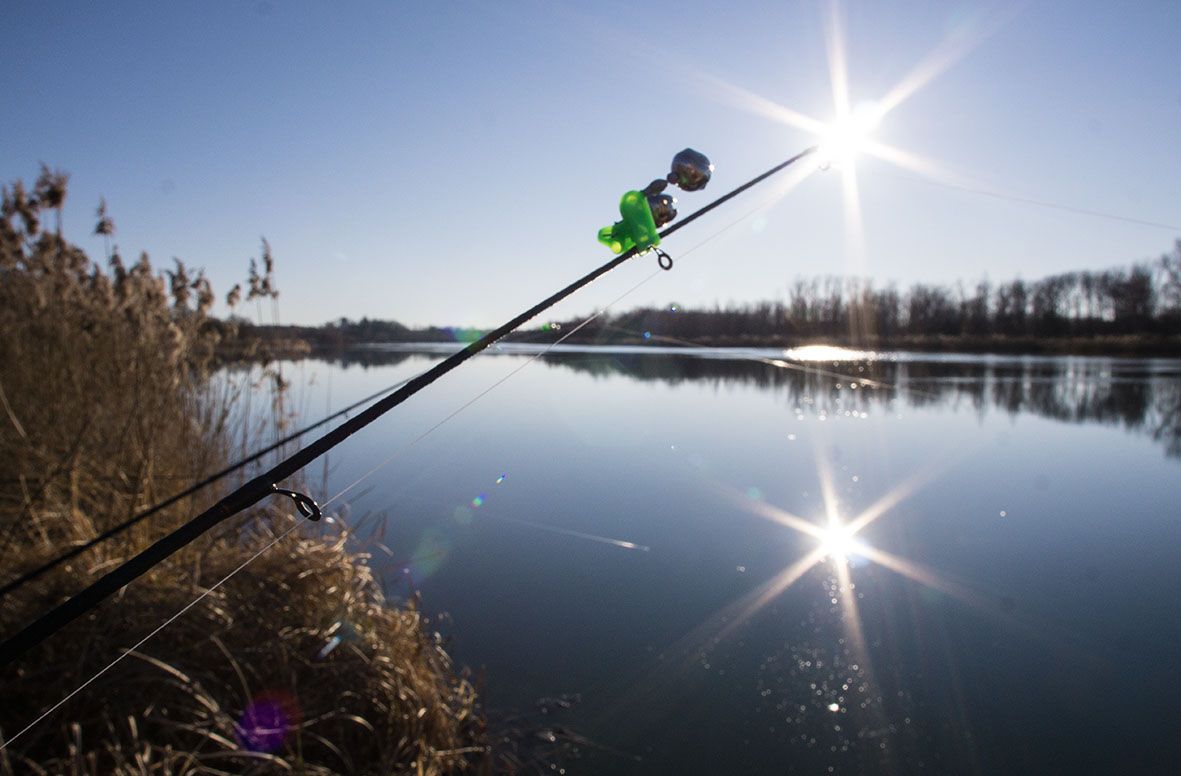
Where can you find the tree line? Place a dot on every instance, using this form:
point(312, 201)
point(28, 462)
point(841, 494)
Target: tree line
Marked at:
point(1143, 299)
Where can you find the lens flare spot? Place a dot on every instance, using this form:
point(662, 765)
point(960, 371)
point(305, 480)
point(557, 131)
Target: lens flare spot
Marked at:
point(478, 501)
point(267, 721)
point(433, 548)
point(340, 632)
point(464, 335)
point(331, 644)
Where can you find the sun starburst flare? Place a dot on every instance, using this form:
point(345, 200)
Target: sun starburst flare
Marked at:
point(849, 135)
point(839, 543)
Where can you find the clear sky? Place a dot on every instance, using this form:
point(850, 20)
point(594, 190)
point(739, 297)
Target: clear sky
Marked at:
point(451, 163)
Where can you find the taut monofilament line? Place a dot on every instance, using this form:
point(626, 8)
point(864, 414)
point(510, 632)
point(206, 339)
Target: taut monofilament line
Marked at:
point(264, 485)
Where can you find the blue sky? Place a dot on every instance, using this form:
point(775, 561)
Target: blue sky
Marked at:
point(451, 163)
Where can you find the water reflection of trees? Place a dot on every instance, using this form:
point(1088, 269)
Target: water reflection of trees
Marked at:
point(1143, 396)
point(370, 357)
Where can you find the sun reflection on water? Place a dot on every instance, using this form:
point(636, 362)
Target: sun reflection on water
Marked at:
point(828, 353)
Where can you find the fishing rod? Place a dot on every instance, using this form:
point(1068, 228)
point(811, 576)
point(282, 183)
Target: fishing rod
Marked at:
point(115, 530)
point(297, 523)
point(635, 234)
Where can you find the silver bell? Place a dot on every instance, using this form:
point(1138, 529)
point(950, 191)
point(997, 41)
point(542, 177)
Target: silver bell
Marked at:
point(663, 208)
point(690, 170)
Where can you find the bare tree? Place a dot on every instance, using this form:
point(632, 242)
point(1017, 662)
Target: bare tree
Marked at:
point(1169, 292)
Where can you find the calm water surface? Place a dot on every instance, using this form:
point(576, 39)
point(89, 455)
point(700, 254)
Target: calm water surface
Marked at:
point(647, 537)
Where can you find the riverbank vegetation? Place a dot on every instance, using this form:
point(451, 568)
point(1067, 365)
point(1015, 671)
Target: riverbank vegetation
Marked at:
point(296, 663)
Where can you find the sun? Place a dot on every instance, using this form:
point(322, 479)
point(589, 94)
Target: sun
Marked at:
point(838, 542)
point(849, 135)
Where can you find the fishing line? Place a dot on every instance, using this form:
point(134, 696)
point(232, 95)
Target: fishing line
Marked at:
point(115, 530)
point(1031, 201)
point(264, 485)
point(5, 744)
point(576, 534)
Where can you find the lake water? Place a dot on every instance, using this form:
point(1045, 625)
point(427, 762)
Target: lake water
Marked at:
point(647, 537)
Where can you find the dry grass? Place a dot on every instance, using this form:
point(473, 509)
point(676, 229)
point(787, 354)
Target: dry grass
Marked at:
point(384, 700)
point(296, 664)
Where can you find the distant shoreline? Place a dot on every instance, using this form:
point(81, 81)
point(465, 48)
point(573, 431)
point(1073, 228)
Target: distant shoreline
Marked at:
point(1113, 346)
point(1130, 345)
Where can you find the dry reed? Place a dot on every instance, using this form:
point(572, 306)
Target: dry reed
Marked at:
point(296, 664)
